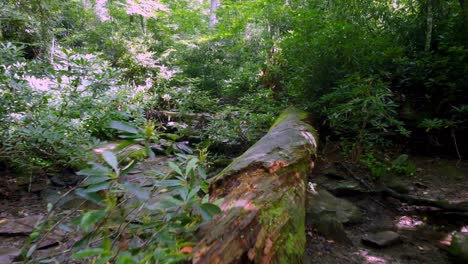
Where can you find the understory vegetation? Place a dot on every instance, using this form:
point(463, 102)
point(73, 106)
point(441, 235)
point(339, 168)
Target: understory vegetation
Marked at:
point(187, 78)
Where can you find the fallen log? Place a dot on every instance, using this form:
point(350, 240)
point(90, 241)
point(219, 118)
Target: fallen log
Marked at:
point(264, 193)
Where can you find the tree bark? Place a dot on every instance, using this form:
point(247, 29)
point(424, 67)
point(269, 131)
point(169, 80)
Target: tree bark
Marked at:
point(429, 24)
point(464, 10)
point(213, 8)
point(264, 193)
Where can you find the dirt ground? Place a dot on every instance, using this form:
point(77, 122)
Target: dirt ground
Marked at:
point(425, 233)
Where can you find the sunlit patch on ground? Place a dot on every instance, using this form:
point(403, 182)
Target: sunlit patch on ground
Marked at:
point(408, 222)
point(371, 259)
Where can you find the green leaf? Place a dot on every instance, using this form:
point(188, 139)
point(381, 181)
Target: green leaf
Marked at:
point(183, 192)
point(193, 192)
point(170, 183)
point(167, 202)
point(123, 127)
point(128, 168)
point(95, 179)
point(208, 210)
point(111, 159)
point(85, 253)
point(191, 165)
point(123, 145)
point(31, 250)
point(137, 191)
point(97, 187)
point(90, 196)
point(175, 168)
point(90, 218)
point(202, 172)
point(96, 170)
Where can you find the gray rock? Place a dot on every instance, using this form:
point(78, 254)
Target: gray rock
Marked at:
point(324, 204)
point(333, 173)
point(332, 229)
point(70, 201)
point(18, 226)
point(381, 239)
point(8, 254)
point(459, 248)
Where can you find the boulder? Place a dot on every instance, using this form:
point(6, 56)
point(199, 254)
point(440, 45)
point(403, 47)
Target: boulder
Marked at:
point(323, 204)
point(381, 239)
point(459, 248)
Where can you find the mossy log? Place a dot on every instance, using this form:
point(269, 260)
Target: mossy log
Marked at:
point(264, 193)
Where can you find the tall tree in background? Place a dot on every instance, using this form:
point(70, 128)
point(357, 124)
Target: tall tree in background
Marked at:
point(213, 8)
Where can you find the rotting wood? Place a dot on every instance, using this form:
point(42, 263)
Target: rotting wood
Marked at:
point(264, 193)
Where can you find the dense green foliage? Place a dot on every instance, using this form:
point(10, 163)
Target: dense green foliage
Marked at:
point(372, 73)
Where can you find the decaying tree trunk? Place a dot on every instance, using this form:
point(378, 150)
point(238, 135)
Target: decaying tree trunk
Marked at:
point(264, 194)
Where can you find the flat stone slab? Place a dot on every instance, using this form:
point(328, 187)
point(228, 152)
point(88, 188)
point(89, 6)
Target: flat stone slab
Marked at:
point(8, 254)
point(381, 239)
point(18, 226)
point(323, 204)
point(459, 247)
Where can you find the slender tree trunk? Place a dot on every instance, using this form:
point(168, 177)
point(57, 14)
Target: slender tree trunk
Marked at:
point(52, 49)
point(464, 10)
point(213, 8)
point(143, 24)
point(429, 24)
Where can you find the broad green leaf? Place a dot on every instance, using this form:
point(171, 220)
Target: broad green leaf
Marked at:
point(123, 127)
point(97, 187)
point(111, 159)
point(170, 183)
point(208, 210)
point(128, 168)
point(90, 196)
point(31, 250)
point(85, 253)
point(96, 170)
point(193, 192)
point(169, 202)
point(170, 136)
point(175, 168)
point(183, 192)
point(137, 191)
point(202, 172)
point(204, 186)
point(191, 165)
point(95, 179)
point(126, 258)
point(123, 145)
point(90, 218)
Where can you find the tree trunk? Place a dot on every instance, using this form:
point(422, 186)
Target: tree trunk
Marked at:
point(213, 7)
point(429, 24)
point(264, 192)
point(464, 10)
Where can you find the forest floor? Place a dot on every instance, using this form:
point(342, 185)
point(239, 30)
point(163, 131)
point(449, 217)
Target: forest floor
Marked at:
point(424, 232)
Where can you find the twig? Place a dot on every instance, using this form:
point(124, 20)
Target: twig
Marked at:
point(452, 133)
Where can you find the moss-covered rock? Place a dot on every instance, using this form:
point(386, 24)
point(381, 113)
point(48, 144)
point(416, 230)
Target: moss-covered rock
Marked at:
point(459, 248)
